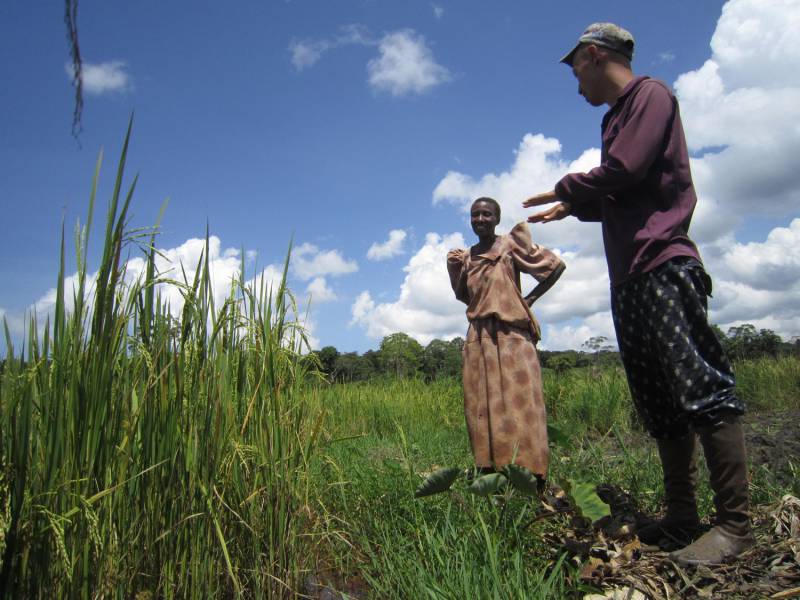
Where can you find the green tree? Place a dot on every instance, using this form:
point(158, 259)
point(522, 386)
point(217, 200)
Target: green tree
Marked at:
point(596, 346)
point(768, 342)
point(327, 359)
point(442, 359)
point(373, 360)
point(352, 367)
point(745, 341)
point(720, 335)
point(400, 355)
point(741, 340)
point(562, 362)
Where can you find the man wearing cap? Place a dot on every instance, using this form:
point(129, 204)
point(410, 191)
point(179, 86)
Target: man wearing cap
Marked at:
point(680, 380)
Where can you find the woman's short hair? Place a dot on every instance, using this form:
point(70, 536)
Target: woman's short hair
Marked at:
point(491, 201)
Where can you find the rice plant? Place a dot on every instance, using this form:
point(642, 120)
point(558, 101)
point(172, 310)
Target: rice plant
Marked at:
point(152, 456)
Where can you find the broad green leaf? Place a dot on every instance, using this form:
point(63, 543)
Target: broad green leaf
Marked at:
point(488, 484)
point(557, 436)
point(439, 481)
point(588, 503)
point(523, 480)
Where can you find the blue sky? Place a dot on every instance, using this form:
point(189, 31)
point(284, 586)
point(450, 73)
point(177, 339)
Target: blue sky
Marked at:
point(362, 129)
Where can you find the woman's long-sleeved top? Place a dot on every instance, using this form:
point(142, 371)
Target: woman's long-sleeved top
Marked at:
point(489, 282)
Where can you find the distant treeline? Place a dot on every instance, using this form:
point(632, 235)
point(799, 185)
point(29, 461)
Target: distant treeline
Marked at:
point(401, 356)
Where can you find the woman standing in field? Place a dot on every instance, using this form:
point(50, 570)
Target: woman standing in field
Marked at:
point(503, 401)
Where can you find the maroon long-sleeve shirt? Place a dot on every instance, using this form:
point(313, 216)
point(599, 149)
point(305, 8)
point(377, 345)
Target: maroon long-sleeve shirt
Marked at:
point(642, 191)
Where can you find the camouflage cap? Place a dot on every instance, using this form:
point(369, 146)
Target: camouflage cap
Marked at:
point(607, 35)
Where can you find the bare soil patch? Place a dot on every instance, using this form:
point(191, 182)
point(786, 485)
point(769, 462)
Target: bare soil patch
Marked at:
point(773, 439)
point(612, 558)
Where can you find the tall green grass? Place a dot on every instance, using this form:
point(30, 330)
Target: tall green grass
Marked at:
point(145, 456)
point(588, 400)
point(769, 383)
point(379, 406)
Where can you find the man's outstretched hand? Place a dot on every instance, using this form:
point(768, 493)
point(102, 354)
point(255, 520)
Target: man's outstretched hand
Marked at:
point(554, 213)
point(540, 199)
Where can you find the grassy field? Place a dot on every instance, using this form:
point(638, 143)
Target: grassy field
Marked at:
point(148, 456)
point(383, 437)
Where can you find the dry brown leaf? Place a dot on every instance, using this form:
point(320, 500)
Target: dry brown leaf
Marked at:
point(590, 567)
point(628, 593)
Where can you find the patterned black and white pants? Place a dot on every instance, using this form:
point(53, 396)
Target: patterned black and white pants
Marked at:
point(678, 374)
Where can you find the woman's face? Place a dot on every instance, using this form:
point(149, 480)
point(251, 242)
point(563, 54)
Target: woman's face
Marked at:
point(483, 217)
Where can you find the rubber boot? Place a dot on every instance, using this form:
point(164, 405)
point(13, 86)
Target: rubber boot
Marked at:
point(679, 525)
point(731, 535)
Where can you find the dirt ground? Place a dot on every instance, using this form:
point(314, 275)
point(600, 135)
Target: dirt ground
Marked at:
point(773, 439)
point(613, 559)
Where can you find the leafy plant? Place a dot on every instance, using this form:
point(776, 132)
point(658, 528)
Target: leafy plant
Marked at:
point(437, 482)
point(586, 501)
point(583, 496)
point(487, 485)
point(523, 480)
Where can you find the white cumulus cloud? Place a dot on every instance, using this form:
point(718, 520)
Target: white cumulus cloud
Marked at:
point(580, 292)
point(308, 262)
point(405, 65)
point(755, 42)
point(99, 78)
point(771, 265)
point(426, 308)
point(759, 282)
point(391, 247)
point(319, 291)
point(571, 336)
point(306, 53)
point(741, 106)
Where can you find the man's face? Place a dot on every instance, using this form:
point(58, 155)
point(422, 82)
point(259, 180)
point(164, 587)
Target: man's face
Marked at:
point(586, 69)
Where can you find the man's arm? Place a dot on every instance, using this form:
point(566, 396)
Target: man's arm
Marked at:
point(631, 153)
point(554, 213)
point(637, 144)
